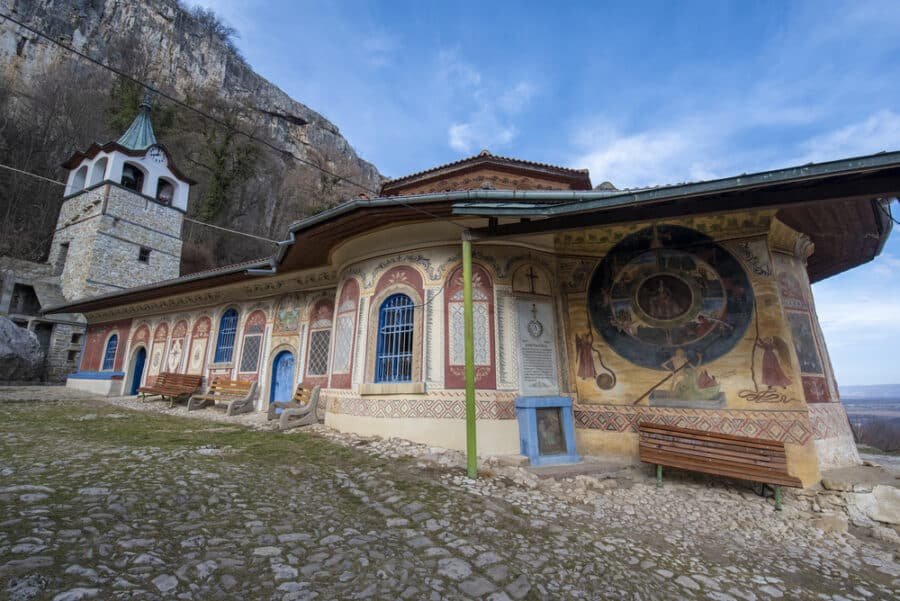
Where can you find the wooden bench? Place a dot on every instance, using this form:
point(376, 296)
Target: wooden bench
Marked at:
point(299, 411)
point(234, 396)
point(171, 386)
point(739, 457)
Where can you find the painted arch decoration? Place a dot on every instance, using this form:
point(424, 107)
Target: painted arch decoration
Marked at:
point(157, 352)
point(483, 316)
point(199, 342)
point(669, 298)
point(176, 346)
point(344, 334)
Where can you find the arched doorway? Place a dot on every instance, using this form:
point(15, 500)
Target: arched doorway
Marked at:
point(282, 388)
point(137, 370)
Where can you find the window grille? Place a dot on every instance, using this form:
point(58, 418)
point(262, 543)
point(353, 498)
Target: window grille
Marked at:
point(250, 353)
point(225, 341)
point(144, 255)
point(109, 357)
point(318, 352)
point(394, 353)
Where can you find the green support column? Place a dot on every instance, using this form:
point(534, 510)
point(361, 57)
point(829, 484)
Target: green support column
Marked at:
point(469, 337)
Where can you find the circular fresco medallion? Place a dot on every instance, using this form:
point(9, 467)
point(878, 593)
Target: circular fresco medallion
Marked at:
point(668, 288)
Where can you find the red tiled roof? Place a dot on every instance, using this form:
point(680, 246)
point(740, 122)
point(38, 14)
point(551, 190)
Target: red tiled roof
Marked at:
point(487, 157)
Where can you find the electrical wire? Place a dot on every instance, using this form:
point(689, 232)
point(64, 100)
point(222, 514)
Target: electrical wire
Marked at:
point(218, 227)
point(886, 209)
point(214, 119)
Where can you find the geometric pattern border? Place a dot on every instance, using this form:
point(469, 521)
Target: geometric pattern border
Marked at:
point(783, 426)
point(829, 420)
point(439, 405)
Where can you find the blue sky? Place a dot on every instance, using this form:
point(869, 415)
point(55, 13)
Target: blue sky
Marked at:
point(640, 93)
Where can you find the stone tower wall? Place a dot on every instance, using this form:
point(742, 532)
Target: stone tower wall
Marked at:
point(105, 227)
point(77, 226)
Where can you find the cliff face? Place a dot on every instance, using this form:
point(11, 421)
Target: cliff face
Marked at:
point(161, 42)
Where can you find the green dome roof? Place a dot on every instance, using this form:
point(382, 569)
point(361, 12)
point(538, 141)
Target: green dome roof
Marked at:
point(139, 135)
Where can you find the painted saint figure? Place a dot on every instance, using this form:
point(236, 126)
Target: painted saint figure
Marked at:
point(772, 373)
point(585, 345)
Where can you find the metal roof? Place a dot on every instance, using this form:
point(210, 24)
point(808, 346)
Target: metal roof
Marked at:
point(536, 203)
point(139, 135)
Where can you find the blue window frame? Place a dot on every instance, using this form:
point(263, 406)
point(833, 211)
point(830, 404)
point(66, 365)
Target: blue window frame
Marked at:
point(109, 357)
point(393, 359)
point(225, 341)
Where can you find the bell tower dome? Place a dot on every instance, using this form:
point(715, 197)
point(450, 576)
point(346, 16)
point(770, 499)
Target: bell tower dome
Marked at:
point(120, 223)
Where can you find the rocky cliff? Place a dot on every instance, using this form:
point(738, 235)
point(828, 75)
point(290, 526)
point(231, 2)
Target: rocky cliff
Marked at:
point(190, 56)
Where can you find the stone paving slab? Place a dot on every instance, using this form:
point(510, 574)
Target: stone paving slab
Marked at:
point(98, 501)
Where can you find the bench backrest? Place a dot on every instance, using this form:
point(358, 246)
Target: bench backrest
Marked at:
point(169, 379)
point(230, 387)
point(306, 395)
point(711, 452)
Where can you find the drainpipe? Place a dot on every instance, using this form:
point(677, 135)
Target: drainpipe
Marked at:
point(469, 338)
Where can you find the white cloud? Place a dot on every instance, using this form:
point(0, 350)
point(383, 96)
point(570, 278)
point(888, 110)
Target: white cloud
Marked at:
point(878, 132)
point(645, 158)
point(484, 112)
point(380, 49)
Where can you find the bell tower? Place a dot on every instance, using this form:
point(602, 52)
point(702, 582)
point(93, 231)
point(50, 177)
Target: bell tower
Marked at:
point(120, 223)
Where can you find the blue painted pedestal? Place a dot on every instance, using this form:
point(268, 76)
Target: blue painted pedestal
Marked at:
point(527, 411)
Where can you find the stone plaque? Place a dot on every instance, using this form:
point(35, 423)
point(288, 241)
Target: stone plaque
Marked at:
point(536, 336)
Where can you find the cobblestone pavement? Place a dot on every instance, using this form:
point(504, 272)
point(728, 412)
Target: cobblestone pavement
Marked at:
point(99, 501)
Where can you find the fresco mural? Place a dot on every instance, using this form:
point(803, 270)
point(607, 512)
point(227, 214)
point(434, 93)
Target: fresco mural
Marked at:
point(810, 352)
point(667, 298)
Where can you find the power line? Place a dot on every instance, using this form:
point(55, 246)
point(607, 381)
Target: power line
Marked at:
point(214, 119)
point(46, 179)
point(180, 103)
point(218, 227)
point(887, 211)
point(225, 229)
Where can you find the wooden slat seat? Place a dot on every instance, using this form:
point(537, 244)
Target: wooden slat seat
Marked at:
point(740, 457)
point(169, 385)
point(234, 396)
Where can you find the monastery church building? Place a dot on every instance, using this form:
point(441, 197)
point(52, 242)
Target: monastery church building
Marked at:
point(594, 308)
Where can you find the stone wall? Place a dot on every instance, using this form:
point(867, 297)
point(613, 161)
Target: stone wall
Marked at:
point(105, 227)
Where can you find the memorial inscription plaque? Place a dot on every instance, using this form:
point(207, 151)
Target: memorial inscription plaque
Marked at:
point(537, 348)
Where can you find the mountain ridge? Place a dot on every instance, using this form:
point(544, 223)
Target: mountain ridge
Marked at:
point(166, 45)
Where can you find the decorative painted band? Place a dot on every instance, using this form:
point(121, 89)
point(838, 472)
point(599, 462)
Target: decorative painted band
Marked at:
point(784, 426)
point(421, 407)
point(97, 375)
point(829, 420)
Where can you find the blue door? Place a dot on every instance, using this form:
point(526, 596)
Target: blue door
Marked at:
point(139, 360)
point(282, 388)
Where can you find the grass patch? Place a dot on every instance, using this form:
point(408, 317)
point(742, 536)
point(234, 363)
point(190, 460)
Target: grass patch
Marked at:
point(64, 420)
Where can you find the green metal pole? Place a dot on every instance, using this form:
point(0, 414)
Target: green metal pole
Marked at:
point(469, 337)
point(777, 498)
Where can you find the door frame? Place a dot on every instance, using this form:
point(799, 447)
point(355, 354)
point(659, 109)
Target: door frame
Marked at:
point(275, 356)
point(132, 364)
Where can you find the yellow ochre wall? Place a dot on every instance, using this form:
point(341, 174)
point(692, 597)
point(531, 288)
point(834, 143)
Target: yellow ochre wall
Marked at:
point(754, 387)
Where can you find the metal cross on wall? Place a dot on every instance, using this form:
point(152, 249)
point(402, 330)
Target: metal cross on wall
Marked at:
point(532, 276)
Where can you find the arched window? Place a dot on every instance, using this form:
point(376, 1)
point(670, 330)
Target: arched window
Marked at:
point(394, 353)
point(254, 330)
point(98, 171)
point(225, 342)
point(109, 357)
point(165, 191)
point(132, 177)
point(321, 318)
point(79, 179)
